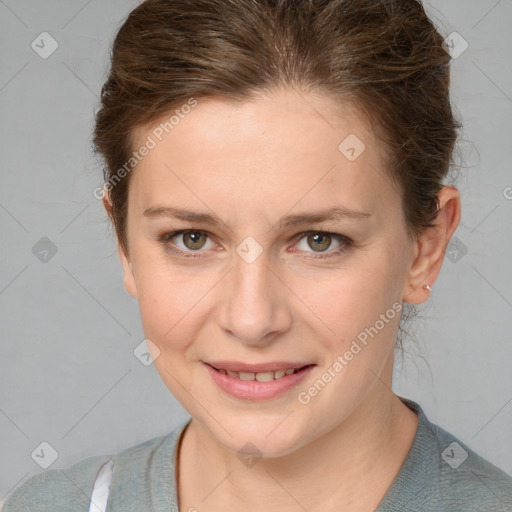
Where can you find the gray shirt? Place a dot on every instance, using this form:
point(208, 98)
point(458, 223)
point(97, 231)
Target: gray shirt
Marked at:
point(440, 474)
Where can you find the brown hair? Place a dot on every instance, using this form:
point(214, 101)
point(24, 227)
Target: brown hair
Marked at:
point(385, 56)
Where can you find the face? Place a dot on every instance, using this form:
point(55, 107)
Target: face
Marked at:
point(250, 280)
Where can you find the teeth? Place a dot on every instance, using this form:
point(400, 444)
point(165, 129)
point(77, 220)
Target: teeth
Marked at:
point(260, 377)
point(265, 376)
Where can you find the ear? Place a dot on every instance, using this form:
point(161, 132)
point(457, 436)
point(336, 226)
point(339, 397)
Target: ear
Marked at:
point(129, 276)
point(430, 247)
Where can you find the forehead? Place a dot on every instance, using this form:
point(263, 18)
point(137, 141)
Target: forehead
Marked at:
point(284, 147)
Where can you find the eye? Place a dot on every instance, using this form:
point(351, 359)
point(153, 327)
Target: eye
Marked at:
point(192, 240)
point(320, 241)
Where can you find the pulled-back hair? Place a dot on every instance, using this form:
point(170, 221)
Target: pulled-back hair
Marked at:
point(384, 56)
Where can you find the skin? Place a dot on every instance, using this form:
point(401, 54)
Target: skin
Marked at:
point(250, 165)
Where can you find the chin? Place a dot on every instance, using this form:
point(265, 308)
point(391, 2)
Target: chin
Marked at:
point(261, 447)
point(256, 437)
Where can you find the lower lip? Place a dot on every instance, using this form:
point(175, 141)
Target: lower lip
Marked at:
point(254, 390)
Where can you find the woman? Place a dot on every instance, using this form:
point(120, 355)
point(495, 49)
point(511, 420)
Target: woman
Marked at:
point(274, 173)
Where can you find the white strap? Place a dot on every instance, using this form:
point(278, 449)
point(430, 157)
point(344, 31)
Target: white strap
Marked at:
point(99, 496)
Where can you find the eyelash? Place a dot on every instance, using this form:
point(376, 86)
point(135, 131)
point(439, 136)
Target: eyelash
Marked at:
point(345, 242)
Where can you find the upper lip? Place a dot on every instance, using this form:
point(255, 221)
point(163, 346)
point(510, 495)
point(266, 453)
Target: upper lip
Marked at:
point(236, 366)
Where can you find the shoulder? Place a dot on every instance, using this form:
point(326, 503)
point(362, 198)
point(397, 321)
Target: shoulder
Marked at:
point(445, 473)
point(62, 490)
point(57, 490)
point(468, 480)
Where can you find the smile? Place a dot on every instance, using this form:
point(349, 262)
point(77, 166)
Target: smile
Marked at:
point(258, 385)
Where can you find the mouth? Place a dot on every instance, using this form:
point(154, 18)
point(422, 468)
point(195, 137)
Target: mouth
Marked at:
point(258, 381)
point(260, 376)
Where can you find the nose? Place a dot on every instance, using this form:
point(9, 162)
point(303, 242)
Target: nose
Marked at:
point(255, 306)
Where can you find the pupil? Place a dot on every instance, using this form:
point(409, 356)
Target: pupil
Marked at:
point(319, 238)
point(194, 237)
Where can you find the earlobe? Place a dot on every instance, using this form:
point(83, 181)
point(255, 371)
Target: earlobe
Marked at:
point(431, 247)
point(129, 277)
point(107, 203)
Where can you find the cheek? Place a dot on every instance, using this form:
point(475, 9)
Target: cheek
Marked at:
point(348, 300)
point(170, 309)
point(167, 300)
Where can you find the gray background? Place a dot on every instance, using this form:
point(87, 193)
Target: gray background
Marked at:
point(68, 375)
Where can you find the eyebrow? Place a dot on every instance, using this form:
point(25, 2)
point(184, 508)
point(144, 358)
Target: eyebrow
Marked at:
point(334, 213)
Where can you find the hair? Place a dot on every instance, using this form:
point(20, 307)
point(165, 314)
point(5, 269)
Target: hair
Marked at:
point(384, 56)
